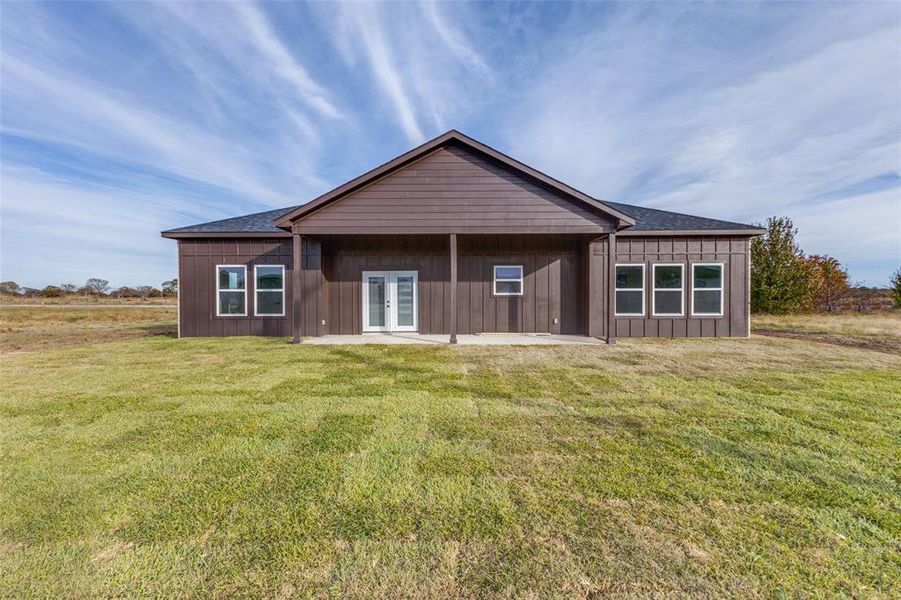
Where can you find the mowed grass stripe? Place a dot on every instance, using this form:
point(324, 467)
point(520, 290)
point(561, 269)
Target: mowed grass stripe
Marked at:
point(253, 467)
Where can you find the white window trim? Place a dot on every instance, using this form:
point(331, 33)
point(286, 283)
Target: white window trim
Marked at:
point(218, 303)
point(641, 289)
point(655, 289)
point(256, 291)
point(721, 289)
point(495, 280)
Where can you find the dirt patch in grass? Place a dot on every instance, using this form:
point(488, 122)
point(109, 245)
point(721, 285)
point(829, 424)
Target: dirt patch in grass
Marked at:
point(874, 331)
point(890, 345)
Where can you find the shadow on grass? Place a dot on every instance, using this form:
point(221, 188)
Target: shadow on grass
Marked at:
point(169, 330)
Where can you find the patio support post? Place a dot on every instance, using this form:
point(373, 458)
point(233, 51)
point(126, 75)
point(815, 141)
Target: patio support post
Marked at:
point(296, 274)
point(611, 287)
point(453, 290)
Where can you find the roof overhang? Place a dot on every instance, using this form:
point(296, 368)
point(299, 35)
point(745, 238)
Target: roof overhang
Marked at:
point(182, 235)
point(452, 136)
point(672, 232)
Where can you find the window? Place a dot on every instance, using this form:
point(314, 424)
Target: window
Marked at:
point(507, 281)
point(629, 291)
point(668, 299)
point(707, 289)
point(270, 290)
point(231, 290)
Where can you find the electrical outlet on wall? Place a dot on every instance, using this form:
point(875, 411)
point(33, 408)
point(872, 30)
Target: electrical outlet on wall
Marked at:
point(556, 321)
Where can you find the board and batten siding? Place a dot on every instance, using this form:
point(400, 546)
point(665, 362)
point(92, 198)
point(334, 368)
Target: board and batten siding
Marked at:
point(565, 278)
point(732, 251)
point(454, 190)
point(197, 260)
point(551, 282)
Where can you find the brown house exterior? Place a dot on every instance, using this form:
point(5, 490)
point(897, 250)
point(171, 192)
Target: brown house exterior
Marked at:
point(452, 238)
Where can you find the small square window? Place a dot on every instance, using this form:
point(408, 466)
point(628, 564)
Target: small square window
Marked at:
point(508, 280)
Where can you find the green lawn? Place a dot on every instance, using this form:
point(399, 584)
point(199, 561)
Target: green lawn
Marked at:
point(251, 467)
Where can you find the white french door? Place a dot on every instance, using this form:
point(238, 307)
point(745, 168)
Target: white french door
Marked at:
point(390, 300)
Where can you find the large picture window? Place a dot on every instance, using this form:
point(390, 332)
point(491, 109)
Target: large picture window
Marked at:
point(629, 291)
point(668, 299)
point(508, 280)
point(707, 289)
point(270, 290)
point(231, 290)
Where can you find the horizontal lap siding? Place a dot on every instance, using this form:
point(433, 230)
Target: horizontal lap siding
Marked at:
point(731, 251)
point(197, 285)
point(454, 190)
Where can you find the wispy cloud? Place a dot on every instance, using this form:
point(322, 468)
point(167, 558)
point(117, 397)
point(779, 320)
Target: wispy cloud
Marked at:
point(778, 121)
point(416, 57)
point(139, 117)
point(366, 24)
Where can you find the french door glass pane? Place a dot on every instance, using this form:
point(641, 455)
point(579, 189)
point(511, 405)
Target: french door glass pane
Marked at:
point(376, 287)
point(404, 300)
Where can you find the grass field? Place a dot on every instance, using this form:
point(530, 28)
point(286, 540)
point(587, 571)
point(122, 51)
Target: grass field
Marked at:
point(33, 328)
point(151, 466)
point(74, 299)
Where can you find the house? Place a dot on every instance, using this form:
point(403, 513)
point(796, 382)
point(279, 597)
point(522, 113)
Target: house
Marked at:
point(454, 237)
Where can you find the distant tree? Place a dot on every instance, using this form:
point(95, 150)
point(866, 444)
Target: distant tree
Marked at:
point(829, 282)
point(69, 288)
point(170, 287)
point(51, 291)
point(96, 286)
point(895, 288)
point(781, 279)
point(10, 287)
point(29, 292)
point(124, 292)
point(148, 291)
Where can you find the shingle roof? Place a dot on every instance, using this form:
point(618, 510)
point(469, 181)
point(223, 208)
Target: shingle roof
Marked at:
point(261, 222)
point(652, 219)
point(646, 219)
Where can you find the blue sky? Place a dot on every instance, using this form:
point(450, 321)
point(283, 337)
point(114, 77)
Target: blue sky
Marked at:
point(123, 119)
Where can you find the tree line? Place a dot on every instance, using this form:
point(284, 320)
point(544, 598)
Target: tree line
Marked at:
point(784, 280)
point(94, 286)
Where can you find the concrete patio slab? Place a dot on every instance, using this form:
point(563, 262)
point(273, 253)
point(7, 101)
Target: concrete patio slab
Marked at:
point(488, 339)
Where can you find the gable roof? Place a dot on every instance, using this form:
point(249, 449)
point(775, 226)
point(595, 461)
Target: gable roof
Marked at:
point(452, 136)
point(633, 220)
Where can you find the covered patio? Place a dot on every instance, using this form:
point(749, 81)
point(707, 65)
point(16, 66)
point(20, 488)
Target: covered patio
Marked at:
point(491, 339)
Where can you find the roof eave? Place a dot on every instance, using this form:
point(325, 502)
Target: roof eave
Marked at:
point(178, 235)
point(671, 232)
